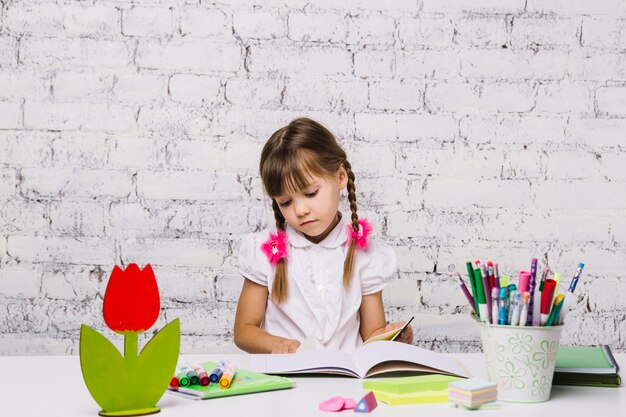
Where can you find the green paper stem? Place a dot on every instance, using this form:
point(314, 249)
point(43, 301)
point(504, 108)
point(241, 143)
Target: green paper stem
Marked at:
point(131, 341)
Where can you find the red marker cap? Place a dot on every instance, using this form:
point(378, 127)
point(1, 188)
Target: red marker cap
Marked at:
point(204, 379)
point(547, 295)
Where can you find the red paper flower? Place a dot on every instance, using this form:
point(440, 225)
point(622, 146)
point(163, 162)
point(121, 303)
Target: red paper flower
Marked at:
point(131, 300)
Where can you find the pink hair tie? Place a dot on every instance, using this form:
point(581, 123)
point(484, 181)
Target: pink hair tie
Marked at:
point(275, 248)
point(361, 235)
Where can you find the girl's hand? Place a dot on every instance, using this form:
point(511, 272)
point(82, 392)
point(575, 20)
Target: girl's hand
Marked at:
point(406, 336)
point(286, 346)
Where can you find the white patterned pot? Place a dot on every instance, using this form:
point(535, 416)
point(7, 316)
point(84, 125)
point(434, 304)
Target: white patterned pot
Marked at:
point(520, 360)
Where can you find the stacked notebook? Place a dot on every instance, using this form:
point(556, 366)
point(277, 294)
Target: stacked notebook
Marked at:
point(586, 365)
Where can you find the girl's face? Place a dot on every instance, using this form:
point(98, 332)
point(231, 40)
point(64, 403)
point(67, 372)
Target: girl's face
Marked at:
point(314, 209)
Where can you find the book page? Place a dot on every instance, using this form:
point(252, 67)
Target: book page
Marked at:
point(376, 353)
point(318, 361)
point(385, 336)
point(390, 335)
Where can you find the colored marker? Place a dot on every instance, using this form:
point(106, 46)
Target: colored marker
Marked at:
point(504, 298)
point(516, 307)
point(554, 314)
point(485, 277)
point(546, 300)
point(569, 296)
point(227, 377)
point(469, 297)
point(470, 273)
point(218, 371)
point(523, 318)
point(544, 276)
point(576, 277)
point(496, 277)
point(557, 279)
point(524, 280)
point(483, 312)
point(193, 377)
point(504, 281)
point(202, 375)
point(509, 312)
point(536, 318)
point(485, 273)
point(558, 312)
point(174, 382)
point(495, 305)
point(511, 290)
point(183, 379)
point(491, 274)
point(532, 288)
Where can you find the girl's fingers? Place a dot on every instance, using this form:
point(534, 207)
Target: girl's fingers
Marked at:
point(286, 346)
point(293, 346)
point(407, 336)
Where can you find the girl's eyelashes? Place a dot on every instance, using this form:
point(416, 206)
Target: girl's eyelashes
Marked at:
point(309, 195)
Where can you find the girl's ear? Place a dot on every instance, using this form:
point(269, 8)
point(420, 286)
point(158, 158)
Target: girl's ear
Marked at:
point(343, 178)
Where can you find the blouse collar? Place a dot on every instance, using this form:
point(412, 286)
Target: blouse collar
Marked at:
point(337, 237)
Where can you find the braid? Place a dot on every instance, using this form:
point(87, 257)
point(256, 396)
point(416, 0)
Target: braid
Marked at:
point(279, 287)
point(280, 220)
point(349, 261)
point(352, 195)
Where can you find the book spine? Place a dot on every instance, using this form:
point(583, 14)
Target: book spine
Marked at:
point(610, 358)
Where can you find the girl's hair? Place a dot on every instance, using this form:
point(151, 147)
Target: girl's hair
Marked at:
point(291, 156)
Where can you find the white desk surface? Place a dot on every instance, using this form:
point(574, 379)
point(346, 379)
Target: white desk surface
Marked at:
point(53, 386)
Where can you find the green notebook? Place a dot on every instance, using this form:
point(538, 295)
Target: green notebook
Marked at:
point(586, 365)
point(245, 382)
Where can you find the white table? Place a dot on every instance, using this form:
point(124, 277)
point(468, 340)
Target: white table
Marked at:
point(53, 386)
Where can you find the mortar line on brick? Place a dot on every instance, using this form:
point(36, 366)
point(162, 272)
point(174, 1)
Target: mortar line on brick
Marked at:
point(580, 33)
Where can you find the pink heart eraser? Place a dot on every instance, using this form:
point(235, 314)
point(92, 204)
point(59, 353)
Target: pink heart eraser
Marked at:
point(349, 404)
point(332, 404)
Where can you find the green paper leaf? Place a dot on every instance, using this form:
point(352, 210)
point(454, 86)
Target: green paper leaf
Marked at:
point(102, 365)
point(157, 361)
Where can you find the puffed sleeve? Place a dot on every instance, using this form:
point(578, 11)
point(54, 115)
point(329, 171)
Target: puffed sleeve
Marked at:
point(379, 265)
point(253, 264)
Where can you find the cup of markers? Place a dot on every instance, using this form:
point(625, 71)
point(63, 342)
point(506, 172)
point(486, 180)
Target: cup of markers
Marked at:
point(520, 326)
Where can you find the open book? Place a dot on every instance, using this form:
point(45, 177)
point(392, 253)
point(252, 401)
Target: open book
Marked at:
point(374, 358)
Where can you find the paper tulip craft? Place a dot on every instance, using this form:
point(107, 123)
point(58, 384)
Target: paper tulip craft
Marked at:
point(131, 384)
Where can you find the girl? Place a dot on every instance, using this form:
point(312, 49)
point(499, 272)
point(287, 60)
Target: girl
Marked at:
point(319, 276)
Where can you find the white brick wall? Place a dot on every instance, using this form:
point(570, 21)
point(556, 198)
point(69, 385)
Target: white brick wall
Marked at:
point(130, 131)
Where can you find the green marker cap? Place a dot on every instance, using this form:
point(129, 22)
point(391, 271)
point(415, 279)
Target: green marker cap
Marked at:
point(182, 379)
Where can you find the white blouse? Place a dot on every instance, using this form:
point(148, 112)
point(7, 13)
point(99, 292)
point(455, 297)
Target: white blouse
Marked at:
point(318, 304)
